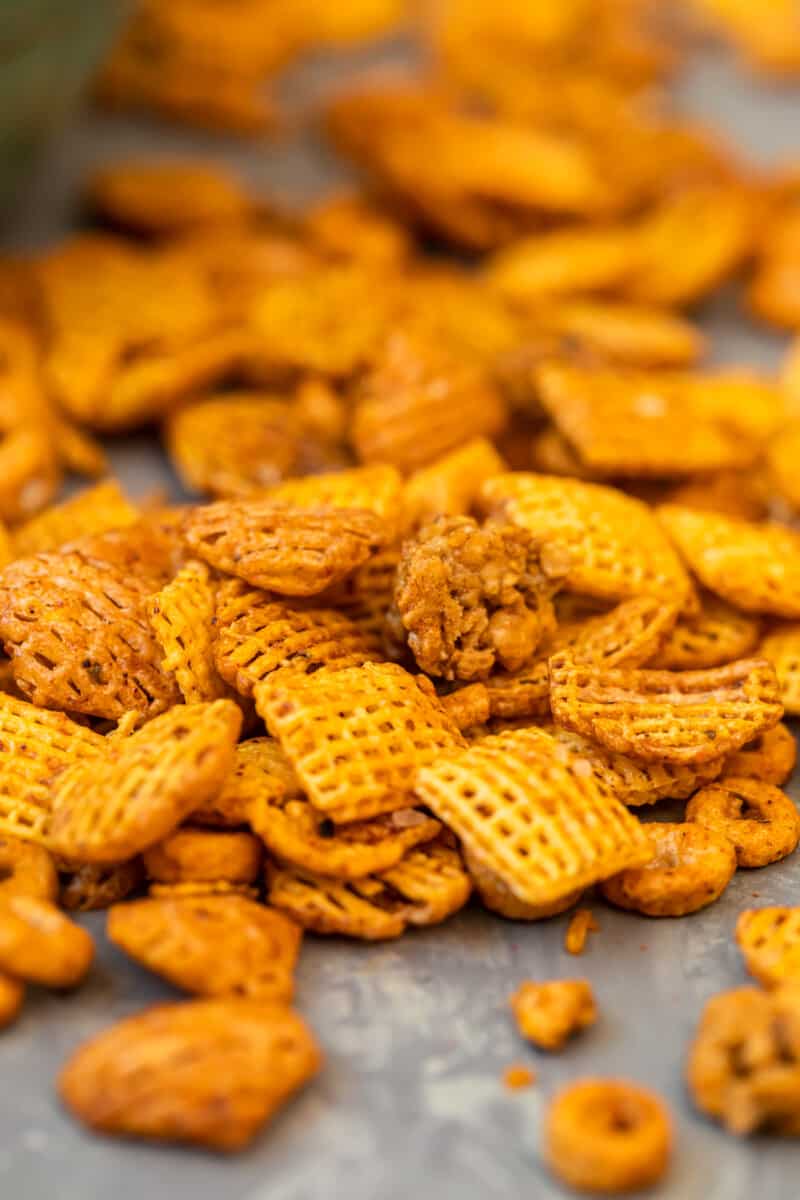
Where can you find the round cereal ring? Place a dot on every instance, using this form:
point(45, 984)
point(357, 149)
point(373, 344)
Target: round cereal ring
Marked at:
point(690, 868)
point(759, 819)
point(606, 1135)
point(40, 945)
point(771, 757)
point(26, 870)
point(501, 900)
point(12, 994)
point(205, 855)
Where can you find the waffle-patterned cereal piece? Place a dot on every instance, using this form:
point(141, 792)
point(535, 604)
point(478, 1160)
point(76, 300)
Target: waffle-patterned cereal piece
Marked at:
point(607, 1135)
point(377, 488)
point(666, 716)
point(690, 868)
point(90, 888)
point(743, 1067)
point(182, 619)
point(753, 566)
point(524, 807)
point(717, 635)
point(210, 945)
point(769, 939)
point(109, 810)
point(40, 945)
point(782, 647)
point(771, 757)
point(296, 552)
point(356, 737)
point(92, 511)
point(261, 773)
point(256, 633)
point(450, 485)
point(332, 906)
point(367, 593)
point(432, 881)
point(499, 898)
point(210, 1072)
point(204, 855)
point(12, 997)
point(26, 870)
point(77, 633)
point(760, 820)
point(615, 546)
point(549, 1014)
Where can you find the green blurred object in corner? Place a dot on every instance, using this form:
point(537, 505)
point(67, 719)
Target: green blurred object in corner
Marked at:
point(48, 51)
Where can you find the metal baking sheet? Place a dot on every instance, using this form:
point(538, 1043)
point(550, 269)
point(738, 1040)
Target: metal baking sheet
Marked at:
point(416, 1033)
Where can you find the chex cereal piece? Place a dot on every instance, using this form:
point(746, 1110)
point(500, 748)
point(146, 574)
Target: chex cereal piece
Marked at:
point(92, 511)
point(433, 882)
point(110, 809)
point(743, 1067)
point(333, 906)
point(204, 855)
point(256, 633)
point(377, 488)
point(261, 773)
point(77, 633)
point(297, 833)
point(40, 945)
point(210, 945)
point(90, 888)
point(760, 820)
point(26, 869)
point(690, 868)
point(634, 781)
point(770, 757)
point(524, 806)
point(607, 1135)
point(769, 939)
point(366, 594)
point(666, 716)
point(499, 898)
point(182, 618)
point(549, 1014)
point(357, 736)
point(450, 485)
point(717, 635)
point(753, 566)
point(782, 648)
point(294, 551)
point(211, 1072)
point(615, 546)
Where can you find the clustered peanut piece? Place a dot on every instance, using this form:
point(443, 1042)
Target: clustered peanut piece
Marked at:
point(483, 562)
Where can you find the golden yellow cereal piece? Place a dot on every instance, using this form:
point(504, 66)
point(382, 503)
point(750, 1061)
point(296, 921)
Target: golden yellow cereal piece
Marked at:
point(581, 924)
point(769, 939)
point(261, 774)
point(615, 546)
point(378, 488)
point(210, 945)
point(12, 997)
point(365, 595)
point(685, 717)
point(205, 856)
point(549, 1014)
point(294, 551)
point(432, 881)
point(26, 870)
point(331, 906)
point(753, 566)
point(630, 334)
point(357, 736)
point(717, 635)
point(468, 706)
point(690, 868)
point(759, 819)
point(112, 808)
point(782, 648)
point(40, 945)
point(524, 807)
point(182, 618)
point(256, 633)
point(220, 887)
point(235, 445)
point(419, 401)
point(607, 1135)
point(450, 485)
point(551, 265)
point(208, 1072)
point(733, 493)
point(771, 757)
point(499, 898)
point(92, 511)
point(91, 888)
point(165, 197)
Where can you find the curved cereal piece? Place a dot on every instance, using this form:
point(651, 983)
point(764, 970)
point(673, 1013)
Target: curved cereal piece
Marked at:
point(208, 1072)
point(333, 907)
point(433, 882)
point(256, 633)
point(525, 808)
point(717, 635)
point(93, 511)
point(760, 820)
point(224, 945)
point(770, 757)
point(782, 648)
point(753, 566)
point(293, 551)
point(549, 1014)
point(769, 939)
point(78, 636)
point(685, 717)
point(356, 736)
point(690, 868)
point(204, 855)
point(607, 1135)
point(12, 997)
point(91, 888)
point(615, 546)
point(499, 898)
point(181, 616)
point(743, 1067)
point(26, 870)
point(377, 488)
point(261, 773)
point(108, 811)
point(40, 945)
point(165, 197)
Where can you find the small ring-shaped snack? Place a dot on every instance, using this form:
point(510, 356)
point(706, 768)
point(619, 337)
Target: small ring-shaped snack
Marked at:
point(690, 868)
point(760, 820)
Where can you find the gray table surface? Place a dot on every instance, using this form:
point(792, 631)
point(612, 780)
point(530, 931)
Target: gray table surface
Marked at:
point(417, 1032)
